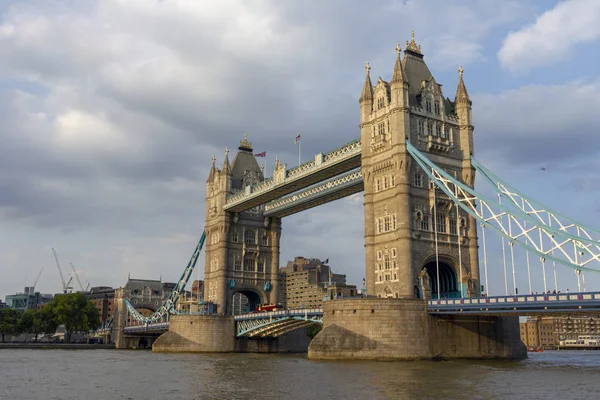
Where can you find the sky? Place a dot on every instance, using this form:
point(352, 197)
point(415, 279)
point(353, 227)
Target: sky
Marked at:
point(111, 110)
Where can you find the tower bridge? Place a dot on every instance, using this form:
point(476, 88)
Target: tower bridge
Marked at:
point(415, 164)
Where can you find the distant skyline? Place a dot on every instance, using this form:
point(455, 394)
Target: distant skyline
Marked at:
point(111, 112)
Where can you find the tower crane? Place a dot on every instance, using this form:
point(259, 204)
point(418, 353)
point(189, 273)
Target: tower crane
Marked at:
point(66, 286)
point(77, 278)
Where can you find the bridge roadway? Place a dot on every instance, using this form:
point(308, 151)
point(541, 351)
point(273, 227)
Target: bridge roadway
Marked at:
point(273, 324)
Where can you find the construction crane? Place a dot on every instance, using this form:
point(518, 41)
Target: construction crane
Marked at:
point(77, 277)
point(66, 286)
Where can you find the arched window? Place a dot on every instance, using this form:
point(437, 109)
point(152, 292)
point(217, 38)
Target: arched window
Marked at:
point(261, 265)
point(250, 236)
point(234, 236)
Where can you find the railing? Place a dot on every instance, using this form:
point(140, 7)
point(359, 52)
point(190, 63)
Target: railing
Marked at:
point(545, 302)
point(159, 326)
point(277, 314)
point(344, 152)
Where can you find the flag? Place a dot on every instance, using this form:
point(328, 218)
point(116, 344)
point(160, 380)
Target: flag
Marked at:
point(326, 261)
point(297, 138)
point(263, 154)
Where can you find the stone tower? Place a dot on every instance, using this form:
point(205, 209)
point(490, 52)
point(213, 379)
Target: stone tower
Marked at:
point(402, 211)
point(242, 249)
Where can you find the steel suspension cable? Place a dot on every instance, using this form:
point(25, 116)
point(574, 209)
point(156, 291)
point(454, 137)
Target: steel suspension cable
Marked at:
point(487, 288)
point(543, 260)
point(437, 260)
point(503, 255)
point(458, 234)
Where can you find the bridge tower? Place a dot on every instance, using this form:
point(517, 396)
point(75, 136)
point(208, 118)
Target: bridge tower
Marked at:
point(242, 249)
point(403, 213)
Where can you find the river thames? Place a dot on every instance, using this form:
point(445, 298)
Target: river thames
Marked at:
point(126, 374)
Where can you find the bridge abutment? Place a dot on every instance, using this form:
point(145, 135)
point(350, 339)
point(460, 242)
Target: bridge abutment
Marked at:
point(216, 334)
point(401, 329)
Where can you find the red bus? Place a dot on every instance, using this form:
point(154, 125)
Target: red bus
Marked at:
point(269, 307)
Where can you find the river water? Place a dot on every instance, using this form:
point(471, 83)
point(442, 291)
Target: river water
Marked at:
point(129, 374)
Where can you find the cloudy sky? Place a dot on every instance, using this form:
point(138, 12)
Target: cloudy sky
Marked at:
point(111, 110)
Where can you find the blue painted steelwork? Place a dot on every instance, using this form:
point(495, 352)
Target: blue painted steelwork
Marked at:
point(273, 324)
point(519, 305)
point(168, 306)
point(524, 225)
point(352, 179)
point(149, 327)
point(348, 153)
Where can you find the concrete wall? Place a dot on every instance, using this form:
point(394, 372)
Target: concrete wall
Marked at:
point(216, 334)
point(401, 329)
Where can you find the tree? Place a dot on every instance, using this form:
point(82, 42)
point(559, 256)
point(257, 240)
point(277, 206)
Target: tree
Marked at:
point(8, 322)
point(76, 312)
point(48, 324)
point(31, 322)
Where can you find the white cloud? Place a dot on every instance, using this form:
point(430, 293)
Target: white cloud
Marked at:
point(553, 35)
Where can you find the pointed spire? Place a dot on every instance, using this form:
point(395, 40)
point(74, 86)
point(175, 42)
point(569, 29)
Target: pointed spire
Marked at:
point(412, 46)
point(398, 74)
point(211, 174)
point(226, 168)
point(461, 91)
point(367, 91)
point(245, 145)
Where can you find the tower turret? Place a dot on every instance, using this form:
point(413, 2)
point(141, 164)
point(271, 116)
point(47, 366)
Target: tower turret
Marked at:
point(465, 120)
point(366, 97)
point(399, 83)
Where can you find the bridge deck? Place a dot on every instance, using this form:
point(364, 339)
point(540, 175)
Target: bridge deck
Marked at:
point(519, 305)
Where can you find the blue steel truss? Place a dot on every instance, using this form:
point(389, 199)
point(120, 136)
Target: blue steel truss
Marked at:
point(273, 324)
point(513, 223)
point(168, 306)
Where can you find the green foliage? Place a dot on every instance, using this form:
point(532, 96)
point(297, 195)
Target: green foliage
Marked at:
point(75, 312)
point(312, 330)
point(9, 320)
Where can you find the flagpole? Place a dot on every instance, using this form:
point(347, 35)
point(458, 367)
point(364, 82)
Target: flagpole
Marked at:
point(299, 150)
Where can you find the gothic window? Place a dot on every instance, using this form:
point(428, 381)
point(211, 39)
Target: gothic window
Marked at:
point(418, 179)
point(379, 255)
point(393, 222)
point(446, 133)
point(379, 266)
point(393, 180)
point(234, 236)
point(385, 182)
point(452, 226)
point(381, 128)
point(438, 129)
point(394, 264)
point(380, 103)
point(428, 105)
point(394, 252)
point(396, 278)
point(387, 262)
point(441, 222)
point(261, 265)
point(379, 225)
point(388, 125)
point(430, 128)
point(237, 263)
point(249, 263)
point(214, 238)
point(425, 223)
point(215, 265)
point(437, 108)
point(378, 185)
point(420, 127)
point(250, 236)
point(265, 240)
point(386, 225)
point(387, 277)
point(379, 278)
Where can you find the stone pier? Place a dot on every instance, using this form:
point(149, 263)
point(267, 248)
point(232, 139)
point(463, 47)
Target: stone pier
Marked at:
point(401, 329)
point(216, 334)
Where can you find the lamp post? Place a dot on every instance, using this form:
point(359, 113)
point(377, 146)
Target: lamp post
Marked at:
point(364, 287)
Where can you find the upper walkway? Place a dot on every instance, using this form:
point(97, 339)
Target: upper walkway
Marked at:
point(324, 166)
